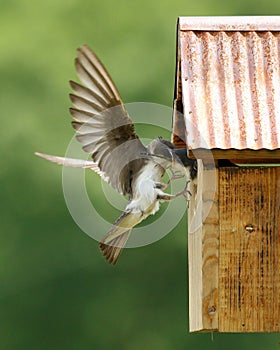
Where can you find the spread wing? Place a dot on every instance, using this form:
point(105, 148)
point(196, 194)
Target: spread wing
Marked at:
point(103, 126)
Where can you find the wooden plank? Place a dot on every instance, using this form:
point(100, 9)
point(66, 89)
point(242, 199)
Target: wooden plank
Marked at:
point(249, 278)
point(247, 154)
point(203, 237)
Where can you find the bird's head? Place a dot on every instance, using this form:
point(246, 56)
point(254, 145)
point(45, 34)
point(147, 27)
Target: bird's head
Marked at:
point(163, 153)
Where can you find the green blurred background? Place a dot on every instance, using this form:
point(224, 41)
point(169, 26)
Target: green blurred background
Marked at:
point(57, 292)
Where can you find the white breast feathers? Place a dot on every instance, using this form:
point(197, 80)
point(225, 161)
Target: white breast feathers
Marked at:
point(144, 190)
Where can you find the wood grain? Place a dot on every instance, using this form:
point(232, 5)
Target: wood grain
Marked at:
point(249, 271)
point(203, 242)
point(249, 155)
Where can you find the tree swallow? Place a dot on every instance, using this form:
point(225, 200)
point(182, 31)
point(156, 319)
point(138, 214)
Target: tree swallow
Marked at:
point(106, 131)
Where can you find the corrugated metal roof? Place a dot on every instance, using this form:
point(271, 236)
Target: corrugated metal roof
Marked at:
point(228, 23)
point(231, 81)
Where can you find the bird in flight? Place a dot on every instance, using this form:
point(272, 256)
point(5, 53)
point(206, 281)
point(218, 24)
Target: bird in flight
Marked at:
point(106, 132)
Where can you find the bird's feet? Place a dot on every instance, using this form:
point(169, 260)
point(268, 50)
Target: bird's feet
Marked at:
point(185, 193)
point(175, 175)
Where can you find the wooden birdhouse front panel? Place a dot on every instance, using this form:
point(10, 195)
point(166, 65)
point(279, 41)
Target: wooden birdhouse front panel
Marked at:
point(227, 114)
point(234, 249)
point(249, 249)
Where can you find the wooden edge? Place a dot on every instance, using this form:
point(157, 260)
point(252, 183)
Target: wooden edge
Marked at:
point(261, 156)
point(203, 244)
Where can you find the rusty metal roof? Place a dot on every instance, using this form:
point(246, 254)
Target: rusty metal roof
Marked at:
point(230, 80)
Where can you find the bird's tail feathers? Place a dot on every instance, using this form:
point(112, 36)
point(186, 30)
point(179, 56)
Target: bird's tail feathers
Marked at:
point(113, 250)
point(115, 240)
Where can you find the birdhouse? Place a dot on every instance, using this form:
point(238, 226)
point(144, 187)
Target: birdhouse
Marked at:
point(227, 115)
